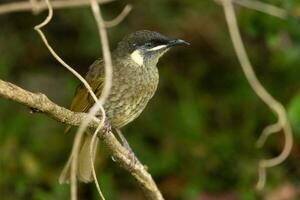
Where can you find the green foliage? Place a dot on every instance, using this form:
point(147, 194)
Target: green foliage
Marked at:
point(294, 114)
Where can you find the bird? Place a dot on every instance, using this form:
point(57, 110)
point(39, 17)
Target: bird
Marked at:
point(135, 79)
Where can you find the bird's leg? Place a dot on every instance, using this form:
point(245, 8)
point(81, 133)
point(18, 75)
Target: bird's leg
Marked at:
point(107, 128)
point(123, 139)
point(133, 158)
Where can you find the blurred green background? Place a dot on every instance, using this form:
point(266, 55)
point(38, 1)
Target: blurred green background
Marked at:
point(197, 135)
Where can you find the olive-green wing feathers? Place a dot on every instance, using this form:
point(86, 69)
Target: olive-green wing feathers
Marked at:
point(82, 100)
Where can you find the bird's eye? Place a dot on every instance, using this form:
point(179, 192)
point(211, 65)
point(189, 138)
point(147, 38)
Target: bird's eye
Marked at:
point(148, 45)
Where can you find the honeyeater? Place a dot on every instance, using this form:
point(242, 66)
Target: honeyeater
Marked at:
point(134, 82)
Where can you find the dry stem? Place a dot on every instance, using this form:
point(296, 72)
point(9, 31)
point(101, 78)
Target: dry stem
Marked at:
point(263, 7)
point(262, 93)
point(38, 6)
point(94, 142)
point(40, 103)
point(119, 18)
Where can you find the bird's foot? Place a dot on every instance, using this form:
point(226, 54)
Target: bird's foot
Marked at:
point(105, 129)
point(131, 156)
point(132, 159)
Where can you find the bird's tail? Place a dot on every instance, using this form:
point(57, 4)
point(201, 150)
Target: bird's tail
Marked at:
point(84, 165)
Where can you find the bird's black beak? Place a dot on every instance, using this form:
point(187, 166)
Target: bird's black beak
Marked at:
point(177, 42)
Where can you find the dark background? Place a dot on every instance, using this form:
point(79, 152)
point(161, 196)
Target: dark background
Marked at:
point(197, 135)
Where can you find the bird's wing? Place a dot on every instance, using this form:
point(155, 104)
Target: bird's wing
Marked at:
point(82, 100)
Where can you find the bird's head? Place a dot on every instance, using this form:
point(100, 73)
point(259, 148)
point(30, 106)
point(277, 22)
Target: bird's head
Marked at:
point(144, 46)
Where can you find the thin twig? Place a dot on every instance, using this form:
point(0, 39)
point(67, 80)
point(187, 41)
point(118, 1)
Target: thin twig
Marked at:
point(269, 130)
point(263, 7)
point(56, 56)
point(41, 5)
point(262, 93)
point(105, 49)
point(119, 18)
point(92, 146)
point(74, 159)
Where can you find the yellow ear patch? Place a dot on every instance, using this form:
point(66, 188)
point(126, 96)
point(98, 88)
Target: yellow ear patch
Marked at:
point(137, 57)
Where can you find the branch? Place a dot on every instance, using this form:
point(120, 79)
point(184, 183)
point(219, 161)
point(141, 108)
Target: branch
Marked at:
point(39, 6)
point(41, 103)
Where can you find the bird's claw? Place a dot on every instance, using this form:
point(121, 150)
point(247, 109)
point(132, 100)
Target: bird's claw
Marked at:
point(133, 159)
point(105, 129)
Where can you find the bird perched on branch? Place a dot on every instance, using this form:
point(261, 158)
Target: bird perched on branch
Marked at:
point(134, 82)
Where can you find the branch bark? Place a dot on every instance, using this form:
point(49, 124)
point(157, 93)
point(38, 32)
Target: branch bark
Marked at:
point(42, 103)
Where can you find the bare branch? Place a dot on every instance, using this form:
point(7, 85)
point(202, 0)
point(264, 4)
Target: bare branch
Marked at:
point(41, 5)
point(106, 51)
point(42, 104)
point(261, 92)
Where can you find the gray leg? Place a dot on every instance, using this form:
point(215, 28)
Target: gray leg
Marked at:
point(127, 146)
point(123, 139)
